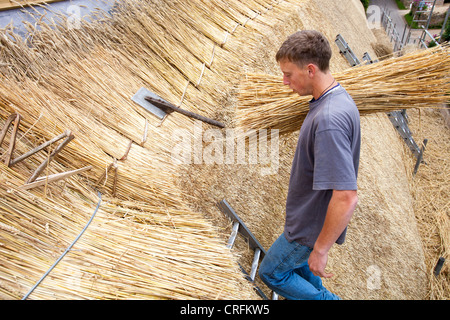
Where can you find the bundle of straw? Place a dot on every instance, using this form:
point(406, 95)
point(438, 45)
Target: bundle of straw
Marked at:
point(419, 79)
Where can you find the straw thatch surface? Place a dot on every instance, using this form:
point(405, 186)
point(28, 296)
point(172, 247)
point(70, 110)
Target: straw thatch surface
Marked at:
point(431, 192)
point(83, 80)
point(132, 250)
point(155, 234)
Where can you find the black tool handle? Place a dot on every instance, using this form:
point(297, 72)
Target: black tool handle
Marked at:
point(439, 265)
point(165, 105)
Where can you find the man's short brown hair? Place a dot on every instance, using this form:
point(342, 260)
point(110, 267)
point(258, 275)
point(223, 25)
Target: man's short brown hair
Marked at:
point(304, 47)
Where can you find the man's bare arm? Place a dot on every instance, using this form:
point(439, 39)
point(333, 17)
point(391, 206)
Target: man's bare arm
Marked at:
point(339, 213)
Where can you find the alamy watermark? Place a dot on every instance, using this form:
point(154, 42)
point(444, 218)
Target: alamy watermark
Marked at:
point(73, 17)
point(229, 146)
point(373, 280)
point(374, 16)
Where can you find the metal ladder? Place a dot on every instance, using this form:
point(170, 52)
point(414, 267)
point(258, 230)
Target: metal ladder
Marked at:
point(348, 53)
point(399, 120)
point(239, 227)
point(420, 11)
point(345, 49)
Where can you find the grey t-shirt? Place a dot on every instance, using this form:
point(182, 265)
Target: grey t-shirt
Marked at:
point(326, 159)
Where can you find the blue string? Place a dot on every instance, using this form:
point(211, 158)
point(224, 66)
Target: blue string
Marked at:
point(67, 250)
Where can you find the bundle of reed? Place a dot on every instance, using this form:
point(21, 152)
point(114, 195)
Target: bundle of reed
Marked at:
point(418, 79)
point(154, 36)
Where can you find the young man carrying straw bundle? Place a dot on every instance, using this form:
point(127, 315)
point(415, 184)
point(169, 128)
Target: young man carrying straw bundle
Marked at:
point(322, 188)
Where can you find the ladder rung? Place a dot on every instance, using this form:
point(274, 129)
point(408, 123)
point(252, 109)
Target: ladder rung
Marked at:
point(255, 264)
point(233, 235)
point(240, 227)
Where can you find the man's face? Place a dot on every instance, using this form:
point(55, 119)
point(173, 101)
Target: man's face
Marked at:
point(298, 79)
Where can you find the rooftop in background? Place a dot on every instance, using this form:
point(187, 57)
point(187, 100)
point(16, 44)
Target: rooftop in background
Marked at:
point(8, 4)
point(49, 10)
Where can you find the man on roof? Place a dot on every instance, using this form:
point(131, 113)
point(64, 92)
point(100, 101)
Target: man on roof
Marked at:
point(322, 192)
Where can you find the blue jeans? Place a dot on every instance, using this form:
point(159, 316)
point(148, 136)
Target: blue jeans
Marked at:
point(285, 270)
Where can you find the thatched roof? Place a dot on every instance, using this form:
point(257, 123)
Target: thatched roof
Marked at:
point(158, 232)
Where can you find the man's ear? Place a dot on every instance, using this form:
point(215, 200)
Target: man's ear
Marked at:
point(312, 69)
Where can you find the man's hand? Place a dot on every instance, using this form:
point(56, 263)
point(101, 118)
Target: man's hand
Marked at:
point(317, 263)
